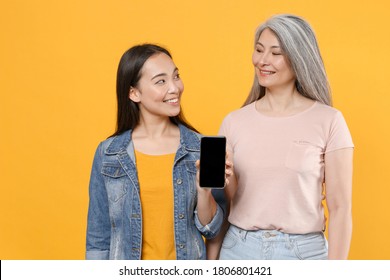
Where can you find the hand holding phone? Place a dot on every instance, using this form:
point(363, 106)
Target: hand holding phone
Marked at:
point(212, 162)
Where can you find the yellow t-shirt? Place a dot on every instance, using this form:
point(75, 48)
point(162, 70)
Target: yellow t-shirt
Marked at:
point(157, 200)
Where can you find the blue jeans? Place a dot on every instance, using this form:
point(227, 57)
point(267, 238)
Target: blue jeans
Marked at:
point(240, 244)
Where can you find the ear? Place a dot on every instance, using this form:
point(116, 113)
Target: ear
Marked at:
point(134, 95)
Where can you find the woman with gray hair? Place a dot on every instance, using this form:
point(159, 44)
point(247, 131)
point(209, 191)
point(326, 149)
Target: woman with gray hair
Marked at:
point(291, 151)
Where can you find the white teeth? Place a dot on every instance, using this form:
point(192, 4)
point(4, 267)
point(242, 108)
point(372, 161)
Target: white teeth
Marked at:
point(266, 72)
point(172, 100)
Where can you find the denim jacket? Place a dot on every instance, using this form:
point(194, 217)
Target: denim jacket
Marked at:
point(114, 228)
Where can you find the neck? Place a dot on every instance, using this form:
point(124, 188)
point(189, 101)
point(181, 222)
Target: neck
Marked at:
point(155, 128)
point(280, 100)
point(157, 136)
point(280, 103)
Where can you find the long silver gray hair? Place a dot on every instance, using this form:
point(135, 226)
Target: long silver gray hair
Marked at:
point(300, 47)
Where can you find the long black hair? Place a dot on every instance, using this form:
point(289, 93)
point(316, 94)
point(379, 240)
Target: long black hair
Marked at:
point(128, 75)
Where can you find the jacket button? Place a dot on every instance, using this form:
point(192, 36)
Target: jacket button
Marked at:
point(136, 216)
point(181, 216)
point(181, 246)
point(179, 181)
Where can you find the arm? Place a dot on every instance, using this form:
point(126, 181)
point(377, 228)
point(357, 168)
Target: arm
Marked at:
point(210, 214)
point(338, 186)
point(206, 205)
point(213, 246)
point(98, 226)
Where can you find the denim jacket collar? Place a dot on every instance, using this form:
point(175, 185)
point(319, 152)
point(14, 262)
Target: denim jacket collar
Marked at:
point(188, 141)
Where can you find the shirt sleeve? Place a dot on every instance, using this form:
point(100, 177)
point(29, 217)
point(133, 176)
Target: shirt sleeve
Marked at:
point(211, 229)
point(339, 135)
point(224, 131)
point(98, 225)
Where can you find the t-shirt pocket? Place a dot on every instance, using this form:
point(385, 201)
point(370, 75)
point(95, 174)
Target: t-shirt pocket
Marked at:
point(303, 156)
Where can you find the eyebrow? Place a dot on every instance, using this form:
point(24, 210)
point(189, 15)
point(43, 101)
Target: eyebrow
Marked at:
point(163, 74)
point(272, 47)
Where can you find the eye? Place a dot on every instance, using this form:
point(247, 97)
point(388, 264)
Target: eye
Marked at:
point(259, 50)
point(177, 76)
point(276, 53)
point(160, 82)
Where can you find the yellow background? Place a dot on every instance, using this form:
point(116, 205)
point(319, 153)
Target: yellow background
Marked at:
point(58, 62)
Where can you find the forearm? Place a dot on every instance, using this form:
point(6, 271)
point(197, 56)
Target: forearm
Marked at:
point(206, 206)
point(339, 233)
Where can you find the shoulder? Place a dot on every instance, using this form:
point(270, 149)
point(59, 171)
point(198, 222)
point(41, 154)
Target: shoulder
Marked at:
point(332, 121)
point(117, 143)
point(189, 138)
point(240, 114)
point(325, 110)
point(322, 114)
point(187, 132)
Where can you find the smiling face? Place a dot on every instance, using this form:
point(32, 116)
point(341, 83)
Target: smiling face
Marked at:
point(272, 68)
point(159, 89)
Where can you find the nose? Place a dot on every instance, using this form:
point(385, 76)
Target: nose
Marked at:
point(175, 87)
point(261, 59)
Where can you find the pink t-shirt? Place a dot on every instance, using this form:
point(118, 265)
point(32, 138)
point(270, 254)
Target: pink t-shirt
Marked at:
point(279, 165)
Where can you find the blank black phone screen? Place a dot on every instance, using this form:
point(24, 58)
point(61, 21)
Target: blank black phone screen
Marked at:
point(212, 162)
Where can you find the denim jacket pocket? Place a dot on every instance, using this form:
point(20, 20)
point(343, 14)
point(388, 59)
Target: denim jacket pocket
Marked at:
point(115, 178)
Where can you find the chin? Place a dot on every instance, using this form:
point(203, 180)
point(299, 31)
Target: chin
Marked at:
point(174, 114)
point(265, 84)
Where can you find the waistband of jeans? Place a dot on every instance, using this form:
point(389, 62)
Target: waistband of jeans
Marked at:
point(271, 234)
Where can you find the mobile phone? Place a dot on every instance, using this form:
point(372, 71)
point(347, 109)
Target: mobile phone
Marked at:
point(212, 161)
